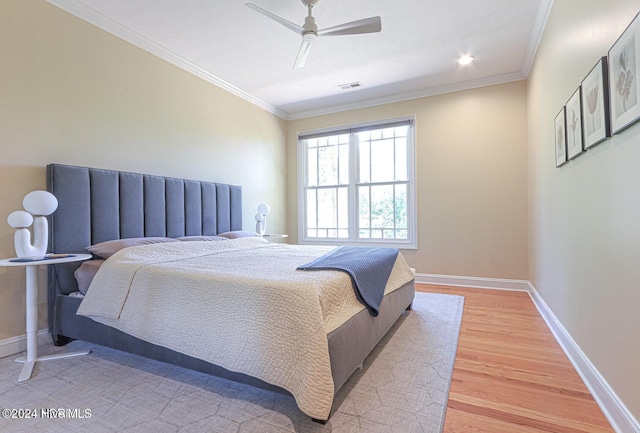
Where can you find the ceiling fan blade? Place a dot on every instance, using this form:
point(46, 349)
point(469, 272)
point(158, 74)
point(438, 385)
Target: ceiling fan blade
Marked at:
point(288, 24)
point(367, 25)
point(303, 53)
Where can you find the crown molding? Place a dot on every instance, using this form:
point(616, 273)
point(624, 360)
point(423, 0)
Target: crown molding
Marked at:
point(422, 93)
point(536, 35)
point(94, 17)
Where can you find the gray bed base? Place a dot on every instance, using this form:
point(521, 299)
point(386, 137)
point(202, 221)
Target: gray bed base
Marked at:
point(96, 205)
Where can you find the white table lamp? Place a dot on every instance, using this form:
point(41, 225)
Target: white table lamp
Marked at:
point(261, 218)
point(37, 204)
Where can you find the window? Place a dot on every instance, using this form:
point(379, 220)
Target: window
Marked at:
point(358, 185)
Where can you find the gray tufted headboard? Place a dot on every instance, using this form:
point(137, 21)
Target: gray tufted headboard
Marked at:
point(96, 205)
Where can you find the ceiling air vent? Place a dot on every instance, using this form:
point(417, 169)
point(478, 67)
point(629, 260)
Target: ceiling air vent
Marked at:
point(348, 86)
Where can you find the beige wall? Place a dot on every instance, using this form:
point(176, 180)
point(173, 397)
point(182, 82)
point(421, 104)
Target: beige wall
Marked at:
point(584, 237)
point(471, 178)
point(72, 93)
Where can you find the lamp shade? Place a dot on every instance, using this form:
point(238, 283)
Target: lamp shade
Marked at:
point(20, 219)
point(40, 203)
point(264, 209)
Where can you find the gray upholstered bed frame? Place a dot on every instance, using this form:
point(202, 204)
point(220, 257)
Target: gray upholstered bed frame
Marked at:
point(97, 205)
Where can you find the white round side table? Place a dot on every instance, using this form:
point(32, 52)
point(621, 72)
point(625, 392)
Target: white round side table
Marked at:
point(32, 308)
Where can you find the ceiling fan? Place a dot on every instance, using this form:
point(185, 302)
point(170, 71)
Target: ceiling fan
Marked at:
point(309, 31)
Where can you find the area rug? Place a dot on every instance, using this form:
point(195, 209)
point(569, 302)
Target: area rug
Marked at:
point(403, 387)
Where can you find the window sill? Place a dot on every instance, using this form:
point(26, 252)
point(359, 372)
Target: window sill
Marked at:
point(372, 243)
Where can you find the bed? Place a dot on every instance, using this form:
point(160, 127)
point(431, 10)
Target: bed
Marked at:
point(97, 205)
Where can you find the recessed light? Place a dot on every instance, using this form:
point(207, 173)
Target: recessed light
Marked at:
point(465, 60)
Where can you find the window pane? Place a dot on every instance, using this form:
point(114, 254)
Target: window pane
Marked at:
point(312, 233)
point(363, 207)
point(382, 166)
point(311, 208)
point(328, 165)
point(312, 167)
point(388, 132)
point(401, 159)
point(388, 234)
point(364, 155)
point(343, 233)
point(382, 206)
point(401, 206)
point(401, 131)
point(364, 234)
point(344, 164)
point(327, 208)
point(343, 208)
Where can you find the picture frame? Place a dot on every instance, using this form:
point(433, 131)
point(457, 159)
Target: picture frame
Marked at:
point(560, 128)
point(573, 115)
point(624, 71)
point(595, 105)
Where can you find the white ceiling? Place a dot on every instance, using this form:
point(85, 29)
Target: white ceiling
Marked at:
point(415, 55)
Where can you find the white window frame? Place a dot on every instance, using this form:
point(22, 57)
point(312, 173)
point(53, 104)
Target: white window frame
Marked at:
point(412, 230)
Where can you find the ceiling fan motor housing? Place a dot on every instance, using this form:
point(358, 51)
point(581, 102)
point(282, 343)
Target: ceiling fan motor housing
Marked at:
point(310, 29)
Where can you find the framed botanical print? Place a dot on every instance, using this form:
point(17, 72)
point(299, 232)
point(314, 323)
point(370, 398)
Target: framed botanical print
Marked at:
point(560, 128)
point(573, 113)
point(595, 104)
point(624, 69)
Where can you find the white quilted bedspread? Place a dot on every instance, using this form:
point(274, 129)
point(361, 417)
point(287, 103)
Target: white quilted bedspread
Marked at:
point(240, 304)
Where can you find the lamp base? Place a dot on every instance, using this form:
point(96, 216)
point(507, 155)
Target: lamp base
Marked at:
point(22, 240)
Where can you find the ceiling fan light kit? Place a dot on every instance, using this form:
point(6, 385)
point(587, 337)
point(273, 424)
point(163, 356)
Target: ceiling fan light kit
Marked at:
point(309, 31)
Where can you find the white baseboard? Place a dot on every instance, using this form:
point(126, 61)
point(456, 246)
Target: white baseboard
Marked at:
point(15, 345)
point(477, 282)
point(613, 408)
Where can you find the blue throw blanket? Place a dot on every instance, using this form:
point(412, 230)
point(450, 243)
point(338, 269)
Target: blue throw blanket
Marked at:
point(369, 268)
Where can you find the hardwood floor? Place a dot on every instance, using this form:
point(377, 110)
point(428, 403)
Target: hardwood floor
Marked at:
point(510, 373)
